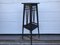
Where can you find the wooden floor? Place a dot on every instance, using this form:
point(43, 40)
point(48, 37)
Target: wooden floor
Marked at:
point(17, 40)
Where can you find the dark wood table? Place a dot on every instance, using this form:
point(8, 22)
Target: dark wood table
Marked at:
point(31, 24)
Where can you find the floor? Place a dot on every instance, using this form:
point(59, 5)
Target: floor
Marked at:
point(17, 40)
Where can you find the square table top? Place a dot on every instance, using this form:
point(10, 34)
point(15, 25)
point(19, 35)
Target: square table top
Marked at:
point(31, 3)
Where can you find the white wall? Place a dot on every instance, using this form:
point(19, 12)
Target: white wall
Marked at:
point(11, 16)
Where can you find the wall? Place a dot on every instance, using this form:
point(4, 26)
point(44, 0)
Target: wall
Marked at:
point(11, 16)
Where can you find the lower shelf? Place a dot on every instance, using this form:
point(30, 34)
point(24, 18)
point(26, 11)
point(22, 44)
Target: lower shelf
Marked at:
point(30, 26)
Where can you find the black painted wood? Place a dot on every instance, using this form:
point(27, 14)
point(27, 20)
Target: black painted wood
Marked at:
point(32, 24)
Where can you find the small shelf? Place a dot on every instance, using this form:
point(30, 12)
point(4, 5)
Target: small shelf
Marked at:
point(31, 26)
